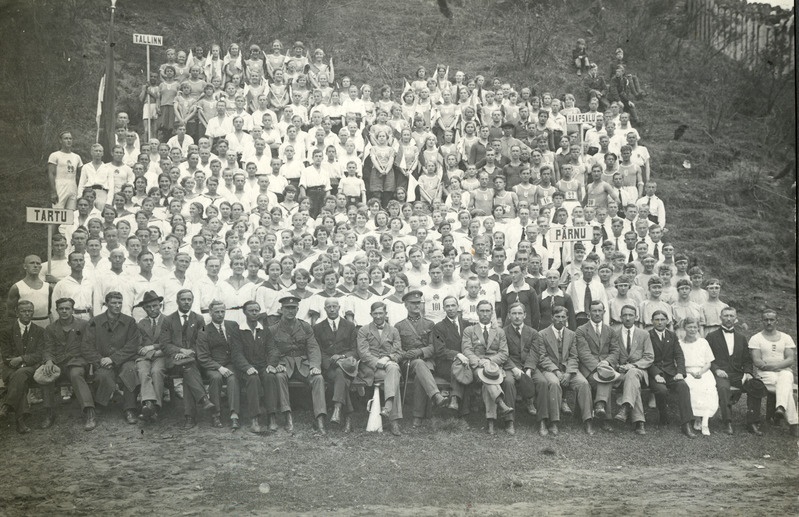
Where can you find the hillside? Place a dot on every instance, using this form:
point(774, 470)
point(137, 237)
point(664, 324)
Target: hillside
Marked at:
point(724, 212)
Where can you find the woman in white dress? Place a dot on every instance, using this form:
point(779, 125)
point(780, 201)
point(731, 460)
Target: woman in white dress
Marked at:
point(700, 380)
point(356, 305)
point(236, 290)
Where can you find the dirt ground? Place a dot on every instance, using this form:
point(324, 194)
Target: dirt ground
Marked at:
point(447, 468)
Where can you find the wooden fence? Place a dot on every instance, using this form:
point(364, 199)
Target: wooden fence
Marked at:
point(749, 33)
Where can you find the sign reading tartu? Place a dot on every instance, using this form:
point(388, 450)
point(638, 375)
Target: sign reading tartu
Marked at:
point(49, 215)
point(569, 234)
point(148, 39)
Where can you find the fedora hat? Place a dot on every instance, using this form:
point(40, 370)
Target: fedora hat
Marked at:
point(461, 372)
point(42, 378)
point(605, 374)
point(491, 374)
point(149, 296)
point(349, 365)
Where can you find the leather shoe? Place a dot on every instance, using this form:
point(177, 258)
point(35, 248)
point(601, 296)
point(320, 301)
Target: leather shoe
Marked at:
point(272, 419)
point(347, 424)
point(553, 429)
point(502, 408)
point(687, 431)
point(779, 413)
point(320, 425)
point(599, 411)
point(531, 408)
point(22, 427)
point(234, 423)
point(417, 422)
point(216, 421)
point(639, 428)
point(189, 422)
point(542, 428)
point(394, 427)
point(335, 418)
point(255, 427)
point(453, 404)
point(439, 400)
point(289, 422)
point(565, 409)
point(49, 420)
point(589, 428)
point(91, 419)
point(148, 410)
point(491, 426)
point(130, 416)
point(510, 428)
point(754, 429)
point(4, 410)
point(607, 427)
point(728, 427)
point(623, 413)
point(207, 404)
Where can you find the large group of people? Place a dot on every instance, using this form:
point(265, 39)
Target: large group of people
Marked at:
point(274, 222)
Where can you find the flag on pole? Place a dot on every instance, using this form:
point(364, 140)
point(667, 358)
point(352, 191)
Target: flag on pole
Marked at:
point(99, 114)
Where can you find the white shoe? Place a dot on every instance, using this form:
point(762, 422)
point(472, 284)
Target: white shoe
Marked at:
point(705, 431)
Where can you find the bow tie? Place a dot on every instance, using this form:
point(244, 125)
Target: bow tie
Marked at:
point(728, 331)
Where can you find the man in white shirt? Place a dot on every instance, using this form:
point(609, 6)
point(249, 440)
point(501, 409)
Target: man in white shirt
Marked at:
point(221, 124)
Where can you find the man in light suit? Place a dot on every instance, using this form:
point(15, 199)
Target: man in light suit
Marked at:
point(560, 344)
point(214, 355)
point(668, 373)
point(380, 350)
point(482, 344)
point(178, 340)
point(635, 356)
point(524, 356)
point(151, 361)
point(297, 356)
point(337, 340)
point(597, 345)
point(252, 350)
point(447, 340)
point(732, 366)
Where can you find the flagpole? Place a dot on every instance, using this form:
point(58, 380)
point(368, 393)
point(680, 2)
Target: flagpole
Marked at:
point(109, 119)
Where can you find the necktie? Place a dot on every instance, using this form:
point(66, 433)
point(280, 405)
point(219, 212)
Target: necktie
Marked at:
point(333, 325)
point(598, 329)
point(518, 331)
point(185, 326)
point(485, 334)
point(617, 243)
point(648, 201)
point(222, 331)
point(621, 203)
point(630, 257)
point(152, 323)
point(656, 254)
point(587, 300)
point(457, 328)
point(629, 339)
point(25, 338)
point(544, 240)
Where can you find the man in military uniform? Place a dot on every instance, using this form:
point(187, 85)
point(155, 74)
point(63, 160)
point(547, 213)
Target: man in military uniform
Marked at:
point(337, 341)
point(298, 356)
point(417, 353)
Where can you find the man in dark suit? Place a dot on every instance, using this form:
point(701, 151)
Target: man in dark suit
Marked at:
point(732, 367)
point(252, 350)
point(298, 356)
point(178, 340)
point(151, 361)
point(525, 354)
point(337, 340)
point(668, 372)
point(21, 349)
point(597, 345)
point(414, 334)
point(110, 344)
point(447, 338)
point(483, 344)
point(562, 371)
point(215, 357)
point(635, 356)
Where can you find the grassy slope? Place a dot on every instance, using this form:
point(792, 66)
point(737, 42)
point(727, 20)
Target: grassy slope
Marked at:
point(714, 215)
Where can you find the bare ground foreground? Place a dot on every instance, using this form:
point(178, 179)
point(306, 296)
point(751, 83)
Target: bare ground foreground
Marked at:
point(444, 469)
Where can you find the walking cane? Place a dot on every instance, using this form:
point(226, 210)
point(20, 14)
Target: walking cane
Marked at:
point(407, 377)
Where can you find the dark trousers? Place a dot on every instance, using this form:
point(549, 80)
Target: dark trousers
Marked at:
point(260, 386)
point(527, 387)
point(193, 389)
point(107, 379)
point(444, 370)
point(683, 397)
point(215, 382)
point(755, 391)
point(315, 382)
point(18, 381)
point(341, 387)
point(75, 374)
